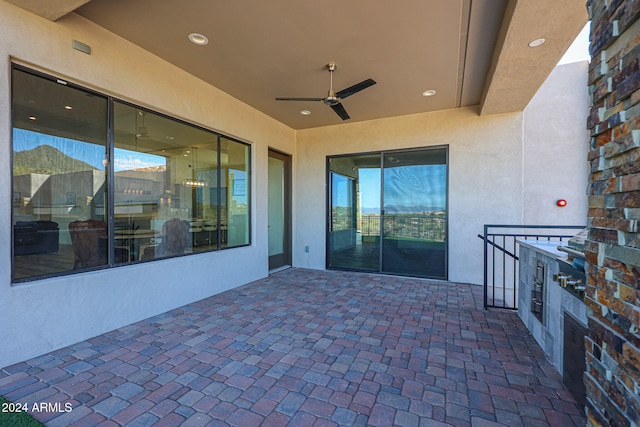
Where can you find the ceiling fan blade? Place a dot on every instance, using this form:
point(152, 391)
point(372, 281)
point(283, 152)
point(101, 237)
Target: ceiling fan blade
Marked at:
point(339, 109)
point(355, 88)
point(299, 99)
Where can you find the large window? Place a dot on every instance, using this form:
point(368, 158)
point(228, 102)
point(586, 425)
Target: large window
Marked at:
point(158, 188)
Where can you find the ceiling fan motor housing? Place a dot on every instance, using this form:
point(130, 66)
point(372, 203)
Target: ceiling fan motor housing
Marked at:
point(331, 99)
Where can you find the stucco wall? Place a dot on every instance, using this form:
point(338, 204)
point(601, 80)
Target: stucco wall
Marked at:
point(503, 169)
point(485, 176)
point(556, 147)
point(48, 314)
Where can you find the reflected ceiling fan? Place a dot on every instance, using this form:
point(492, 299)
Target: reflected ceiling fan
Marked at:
point(333, 98)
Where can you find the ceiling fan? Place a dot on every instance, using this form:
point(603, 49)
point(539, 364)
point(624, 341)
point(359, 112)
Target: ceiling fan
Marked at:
point(333, 98)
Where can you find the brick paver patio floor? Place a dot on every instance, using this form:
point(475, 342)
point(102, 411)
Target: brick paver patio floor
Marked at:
point(302, 348)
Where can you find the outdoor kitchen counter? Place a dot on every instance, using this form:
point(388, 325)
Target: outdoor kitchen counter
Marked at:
point(539, 261)
point(547, 248)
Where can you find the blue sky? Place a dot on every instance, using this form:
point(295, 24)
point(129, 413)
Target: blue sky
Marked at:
point(408, 186)
point(421, 186)
point(579, 50)
point(128, 160)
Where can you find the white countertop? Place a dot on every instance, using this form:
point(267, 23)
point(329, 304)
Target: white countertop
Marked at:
point(545, 246)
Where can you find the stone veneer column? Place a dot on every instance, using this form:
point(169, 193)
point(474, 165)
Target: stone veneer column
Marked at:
point(612, 377)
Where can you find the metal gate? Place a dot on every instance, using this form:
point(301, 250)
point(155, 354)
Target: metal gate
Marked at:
point(501, 258)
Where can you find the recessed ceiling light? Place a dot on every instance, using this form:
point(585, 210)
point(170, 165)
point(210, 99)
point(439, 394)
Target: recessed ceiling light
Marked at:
point(68, 107)
point(305, 112)
point(199, 39)
point(32, 117)
point(537, 42)
point(429, 92)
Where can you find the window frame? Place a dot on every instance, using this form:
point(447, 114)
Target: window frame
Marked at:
point(110, 178)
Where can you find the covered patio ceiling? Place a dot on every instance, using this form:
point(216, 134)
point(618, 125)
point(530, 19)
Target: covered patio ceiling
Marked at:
point(471, 52)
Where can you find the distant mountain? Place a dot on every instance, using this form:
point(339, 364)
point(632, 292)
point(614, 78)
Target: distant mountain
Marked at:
point(390, 209)
point(412, 209)
point(161, 168)
point(46, 160)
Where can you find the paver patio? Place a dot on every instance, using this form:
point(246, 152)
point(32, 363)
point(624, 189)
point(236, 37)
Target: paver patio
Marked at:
point(306, 347)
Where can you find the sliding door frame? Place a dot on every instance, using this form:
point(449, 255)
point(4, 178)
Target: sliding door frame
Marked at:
point(382, 154)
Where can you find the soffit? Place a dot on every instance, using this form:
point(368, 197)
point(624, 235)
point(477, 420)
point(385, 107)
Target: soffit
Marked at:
point(49, 9)
point(518, 70)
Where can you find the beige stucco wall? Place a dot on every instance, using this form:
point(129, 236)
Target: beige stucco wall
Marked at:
point(485, 176)
point(556, 147)
point(47, 314)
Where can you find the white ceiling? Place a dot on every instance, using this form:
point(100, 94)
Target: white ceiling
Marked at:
point(472, 52)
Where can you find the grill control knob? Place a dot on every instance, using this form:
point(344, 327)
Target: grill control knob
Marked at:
point(558, 277)
point(564, 281)
point(573, 284)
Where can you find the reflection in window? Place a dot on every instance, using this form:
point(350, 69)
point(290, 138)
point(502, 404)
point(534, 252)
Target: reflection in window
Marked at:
point(59, 152)
point(177, 189)
point(342, 202)
point(165, 188)
point(234, 209)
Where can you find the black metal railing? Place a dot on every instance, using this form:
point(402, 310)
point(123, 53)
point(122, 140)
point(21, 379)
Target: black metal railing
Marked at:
point(501, 258)
point(431, 226)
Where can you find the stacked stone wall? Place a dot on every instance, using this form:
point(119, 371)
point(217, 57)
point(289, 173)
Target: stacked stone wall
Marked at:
point(612, 376)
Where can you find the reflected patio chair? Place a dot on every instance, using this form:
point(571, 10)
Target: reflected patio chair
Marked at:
point(176, 232)
point(211, 227)
point(122, 254)
point(149, 251)
point(89, 242)
point(195, 229)
point(224, 227)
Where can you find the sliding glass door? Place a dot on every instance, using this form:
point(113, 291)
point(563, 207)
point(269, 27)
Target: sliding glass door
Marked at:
point(354, 224)
point(389, 212)
point(414, 213)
